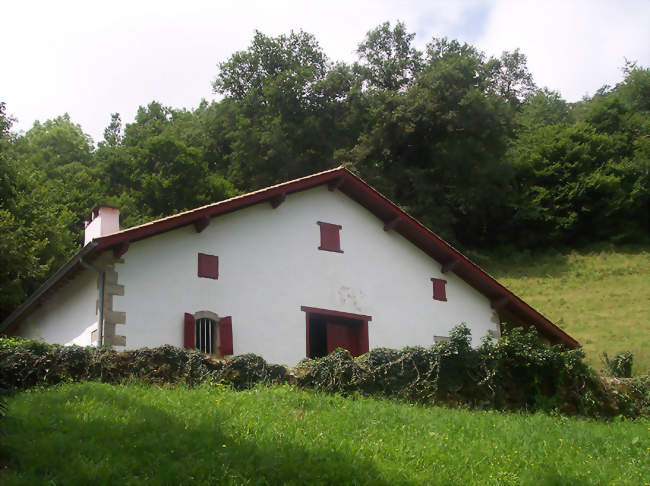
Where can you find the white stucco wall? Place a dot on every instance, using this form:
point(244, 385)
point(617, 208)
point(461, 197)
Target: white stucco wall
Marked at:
point(69, 316)
point(269, 266)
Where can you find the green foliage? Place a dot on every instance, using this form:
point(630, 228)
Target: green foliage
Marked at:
point(95, 433)
point(294, 64)
point(517, 372)
point(438, 147)
point(576, 188)
point(587, 180)
point(520, 369)
point(336, 372)
point(620, 365)
point(283, 112)
point(389, 61)
point(26, 363)
point(34, 225)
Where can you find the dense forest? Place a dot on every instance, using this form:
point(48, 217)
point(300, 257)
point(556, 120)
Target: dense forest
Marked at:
point(466, 143)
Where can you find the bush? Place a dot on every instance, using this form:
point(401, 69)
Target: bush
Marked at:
point(336, 372)
point(516, 372)
point(246, 370)
point(620, 366)
point(26, 363)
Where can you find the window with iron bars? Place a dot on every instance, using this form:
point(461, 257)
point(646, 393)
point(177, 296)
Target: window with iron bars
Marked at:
point(206, 335)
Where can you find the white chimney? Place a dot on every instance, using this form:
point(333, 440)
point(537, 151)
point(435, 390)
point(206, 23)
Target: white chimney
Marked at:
point(104, 220)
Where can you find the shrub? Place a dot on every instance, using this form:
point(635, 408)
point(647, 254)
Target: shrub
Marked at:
point(620, 366)
point(26, 363)
point(245, 370)
point(522, 372)
point(516, 372)
point(336, 372)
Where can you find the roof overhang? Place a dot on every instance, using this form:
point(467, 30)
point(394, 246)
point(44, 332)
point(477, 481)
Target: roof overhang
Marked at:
point(349, 184)
point(62, 275)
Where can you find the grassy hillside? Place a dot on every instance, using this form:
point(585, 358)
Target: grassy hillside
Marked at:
point(602, 298)
point(98, 434)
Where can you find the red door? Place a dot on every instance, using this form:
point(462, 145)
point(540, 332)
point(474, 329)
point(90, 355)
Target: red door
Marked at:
point(342, 336)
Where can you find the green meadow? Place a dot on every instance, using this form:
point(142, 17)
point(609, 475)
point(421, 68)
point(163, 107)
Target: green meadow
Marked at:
point(92, 433)
point(601, 298)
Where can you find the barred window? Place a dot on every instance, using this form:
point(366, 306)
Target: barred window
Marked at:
point(208, 332)
point(205, 335)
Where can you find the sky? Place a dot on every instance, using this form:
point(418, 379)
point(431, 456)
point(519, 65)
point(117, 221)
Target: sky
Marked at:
point(90, 58)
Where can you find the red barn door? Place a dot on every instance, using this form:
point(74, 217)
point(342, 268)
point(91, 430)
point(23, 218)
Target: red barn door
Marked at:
point(342, 336)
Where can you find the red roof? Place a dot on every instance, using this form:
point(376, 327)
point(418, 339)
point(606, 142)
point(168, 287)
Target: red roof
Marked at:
point(345, 181)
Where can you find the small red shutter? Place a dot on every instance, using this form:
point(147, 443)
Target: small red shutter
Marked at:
point(189, 339)
point(439, 289)
point(208, 266)
point(225, 336)
point(330, 239)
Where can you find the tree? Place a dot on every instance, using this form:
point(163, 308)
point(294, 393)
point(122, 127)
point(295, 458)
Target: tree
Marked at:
point(57, 142)
point(161, 168)
point(34, 227)
point(282, 109)
point(113, 132)
point(59, 155)
point(283, 69)
point(543, 108)
point(586, 180)
point(437, 148)
point(388, 60)
point(5, 121)
point(510, 77)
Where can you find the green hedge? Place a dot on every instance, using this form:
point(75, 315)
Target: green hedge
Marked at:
point(25, 363)
point(516, 372)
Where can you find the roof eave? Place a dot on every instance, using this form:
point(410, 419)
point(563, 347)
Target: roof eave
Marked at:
point(49, 283)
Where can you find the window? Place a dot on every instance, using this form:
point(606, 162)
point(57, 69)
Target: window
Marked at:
point(439, 290)
point(205, 335)
point(208, 333)
point(208, 266)
point(330, 239)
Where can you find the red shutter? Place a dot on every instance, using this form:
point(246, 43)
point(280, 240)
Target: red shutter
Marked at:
point(439, 289)
point(189, 338)
point(225, 336)
point(330, 239)
point(208, 266)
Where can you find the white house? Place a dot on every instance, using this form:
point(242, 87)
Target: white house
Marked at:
point(289, 271)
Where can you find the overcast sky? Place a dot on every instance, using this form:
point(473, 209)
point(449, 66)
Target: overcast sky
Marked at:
point(91, 58)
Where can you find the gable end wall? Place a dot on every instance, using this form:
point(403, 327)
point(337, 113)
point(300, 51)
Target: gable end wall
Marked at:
point(270, 266)
point(68, 316)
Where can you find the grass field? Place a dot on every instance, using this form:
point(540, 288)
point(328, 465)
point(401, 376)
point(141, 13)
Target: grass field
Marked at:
point(99, 434)
point(601, 298)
